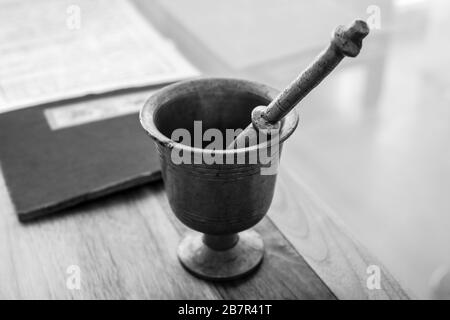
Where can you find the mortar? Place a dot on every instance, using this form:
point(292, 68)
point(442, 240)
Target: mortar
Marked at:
point(221, 201)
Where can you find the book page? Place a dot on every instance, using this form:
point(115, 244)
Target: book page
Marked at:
point(57, 49)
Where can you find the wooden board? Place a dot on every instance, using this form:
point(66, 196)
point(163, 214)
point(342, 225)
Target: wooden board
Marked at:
point(326, 244)
point(125, 246)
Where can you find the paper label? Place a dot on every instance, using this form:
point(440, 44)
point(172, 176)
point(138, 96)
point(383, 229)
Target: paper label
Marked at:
point(80, 113)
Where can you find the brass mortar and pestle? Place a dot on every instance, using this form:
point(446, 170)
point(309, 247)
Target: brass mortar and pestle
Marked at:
point(222, 200)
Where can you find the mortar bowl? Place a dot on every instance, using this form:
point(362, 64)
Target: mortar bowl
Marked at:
point(218, 193)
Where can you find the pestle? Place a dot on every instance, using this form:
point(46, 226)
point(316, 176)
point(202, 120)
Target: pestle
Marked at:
point(346, 41)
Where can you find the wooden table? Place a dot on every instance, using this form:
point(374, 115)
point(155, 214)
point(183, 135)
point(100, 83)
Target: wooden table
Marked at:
point(125, 244)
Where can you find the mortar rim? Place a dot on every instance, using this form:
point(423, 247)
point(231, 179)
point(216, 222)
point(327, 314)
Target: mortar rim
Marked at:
point(156, 100)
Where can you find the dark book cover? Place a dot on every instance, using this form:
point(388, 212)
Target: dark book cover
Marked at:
point(57, 155)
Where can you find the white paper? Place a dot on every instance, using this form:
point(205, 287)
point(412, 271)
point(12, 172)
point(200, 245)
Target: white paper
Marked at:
point(56, 49)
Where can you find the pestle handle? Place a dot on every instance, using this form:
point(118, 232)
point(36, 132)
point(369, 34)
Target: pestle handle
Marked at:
point(346, 41)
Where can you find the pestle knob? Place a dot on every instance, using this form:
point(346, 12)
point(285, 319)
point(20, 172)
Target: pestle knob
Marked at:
point(346, 41)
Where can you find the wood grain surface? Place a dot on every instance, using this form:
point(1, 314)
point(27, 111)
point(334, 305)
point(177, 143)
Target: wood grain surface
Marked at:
point(125, 246)
point(325, 243)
